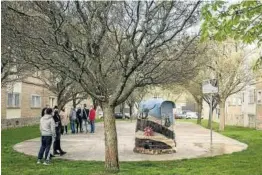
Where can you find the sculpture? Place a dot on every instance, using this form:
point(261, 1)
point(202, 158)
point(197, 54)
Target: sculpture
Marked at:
point(154, 131)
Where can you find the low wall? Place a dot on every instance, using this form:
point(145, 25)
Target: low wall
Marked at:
point(19, 122)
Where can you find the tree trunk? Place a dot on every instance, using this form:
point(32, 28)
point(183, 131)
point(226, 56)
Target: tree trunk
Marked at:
point(130, 109)
point(74, 101)
point(95, 103)
point(122, 109)
point(199, 108)
point(60, 103)
point(111, 147)
point(60, 106)
point(222, 115)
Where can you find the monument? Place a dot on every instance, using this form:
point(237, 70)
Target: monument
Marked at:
point(155, 127)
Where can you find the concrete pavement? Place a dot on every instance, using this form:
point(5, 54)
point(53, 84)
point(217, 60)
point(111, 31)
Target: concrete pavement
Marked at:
point(193, 141)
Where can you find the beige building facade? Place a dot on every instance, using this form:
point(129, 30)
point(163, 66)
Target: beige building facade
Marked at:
point(242, 109)
point(25, 99)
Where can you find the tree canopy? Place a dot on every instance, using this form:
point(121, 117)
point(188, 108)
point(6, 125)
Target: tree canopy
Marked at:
point(240, 21)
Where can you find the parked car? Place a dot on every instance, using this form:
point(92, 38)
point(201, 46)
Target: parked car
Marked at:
point(119, 115)
point(185, 111)
point(191, 115)
point(180, 116)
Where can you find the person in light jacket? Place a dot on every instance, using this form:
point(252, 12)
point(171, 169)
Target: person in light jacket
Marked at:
point(64, 120)
point(47, 129)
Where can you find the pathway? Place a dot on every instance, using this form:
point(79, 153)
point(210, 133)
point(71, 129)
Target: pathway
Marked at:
point(193, 141)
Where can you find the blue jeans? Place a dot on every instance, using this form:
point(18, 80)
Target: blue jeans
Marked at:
point(46, 142)
point(72, 124)
point(92, 124)
point(85, 122)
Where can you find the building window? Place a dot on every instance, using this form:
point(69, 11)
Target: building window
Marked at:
point(243, 97)
point(13, 100)
point(36, 101)
point(251, 97)
point(51, 101)
point(259, 97)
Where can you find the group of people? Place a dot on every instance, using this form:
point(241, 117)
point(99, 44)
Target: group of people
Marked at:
point(82, 117)
point(54, 123)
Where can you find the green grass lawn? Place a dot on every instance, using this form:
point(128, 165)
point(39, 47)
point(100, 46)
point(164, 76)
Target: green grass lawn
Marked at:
point(248, 162)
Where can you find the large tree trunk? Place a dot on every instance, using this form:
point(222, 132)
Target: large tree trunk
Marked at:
point(111, 147)
point(199, 108)
point(222, 115)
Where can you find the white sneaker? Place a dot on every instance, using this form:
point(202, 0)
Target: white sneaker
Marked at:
point(38, 161)
point(46, 163)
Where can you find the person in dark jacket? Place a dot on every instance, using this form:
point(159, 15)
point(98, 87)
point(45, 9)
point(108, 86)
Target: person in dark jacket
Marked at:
point(85, 112)
point(79, 120)
point(44, 110)
point(58, 127)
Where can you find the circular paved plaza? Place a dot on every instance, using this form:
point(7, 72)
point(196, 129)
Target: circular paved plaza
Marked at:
point(193, 141)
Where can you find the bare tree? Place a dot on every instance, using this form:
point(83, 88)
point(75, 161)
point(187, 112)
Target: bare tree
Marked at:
point(227, 62)
point(135, 98)
point(109, 48)
point(13, 69)
point(232, 69)
point(63, 87)
point(194, 85)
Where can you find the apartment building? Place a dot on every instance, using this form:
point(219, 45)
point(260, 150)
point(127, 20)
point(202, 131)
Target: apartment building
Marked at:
point(25, 99)
point(243, 108)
